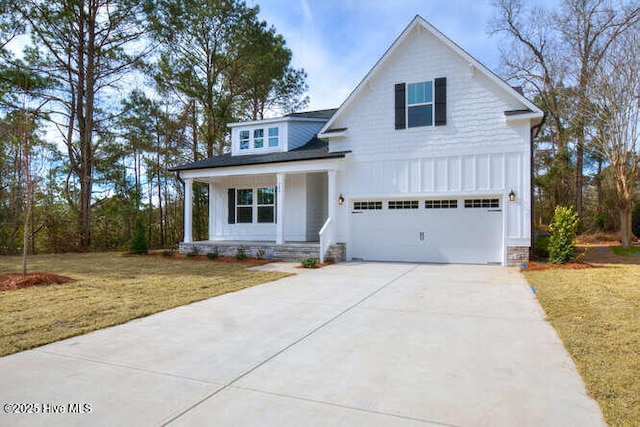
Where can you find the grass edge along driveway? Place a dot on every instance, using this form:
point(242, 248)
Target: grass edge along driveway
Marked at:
point(110, 289)
point(596, 312)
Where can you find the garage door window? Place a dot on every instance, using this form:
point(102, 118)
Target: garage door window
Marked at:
point(404, 204)
point(440, 204)
point(482, 203)
point(359, 206)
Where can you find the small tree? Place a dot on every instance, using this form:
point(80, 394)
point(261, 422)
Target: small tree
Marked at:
point(138, 243)
point(562, 247)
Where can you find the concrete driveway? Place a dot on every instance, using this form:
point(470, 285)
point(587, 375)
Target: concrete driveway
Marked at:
point(354, 344)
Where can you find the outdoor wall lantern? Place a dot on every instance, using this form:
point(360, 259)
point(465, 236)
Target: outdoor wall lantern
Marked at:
point(512, 196)
point(341, 200)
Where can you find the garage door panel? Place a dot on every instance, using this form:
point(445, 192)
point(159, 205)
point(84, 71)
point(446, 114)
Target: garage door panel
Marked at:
point(458, 235)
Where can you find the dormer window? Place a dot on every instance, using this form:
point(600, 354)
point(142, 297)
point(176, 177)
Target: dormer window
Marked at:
point(273, 137)
point(258, 138)
point(244, 139)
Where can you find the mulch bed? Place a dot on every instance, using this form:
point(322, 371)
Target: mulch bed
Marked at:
point(539, 266)
point(597, 254)
point(13, 281)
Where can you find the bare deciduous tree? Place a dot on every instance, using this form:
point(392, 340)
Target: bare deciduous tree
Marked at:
point(617, 103)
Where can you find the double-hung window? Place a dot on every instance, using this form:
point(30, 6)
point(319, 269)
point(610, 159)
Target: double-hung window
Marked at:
point(420, 104)
point(258, 138)
point(255, 205)
point(244, 139)
point(273, 137)
point(244, 206)
point(266, 204)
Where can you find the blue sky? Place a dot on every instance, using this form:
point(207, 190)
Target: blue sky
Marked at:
point(338, 41)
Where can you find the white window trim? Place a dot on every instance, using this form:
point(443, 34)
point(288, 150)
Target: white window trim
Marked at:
point(432, 103)
point(254, 205)
point(251, 149)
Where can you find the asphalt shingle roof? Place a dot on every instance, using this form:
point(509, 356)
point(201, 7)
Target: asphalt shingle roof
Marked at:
point(315, 149)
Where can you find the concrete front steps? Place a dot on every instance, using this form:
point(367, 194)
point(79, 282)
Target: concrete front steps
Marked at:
point(289, 251)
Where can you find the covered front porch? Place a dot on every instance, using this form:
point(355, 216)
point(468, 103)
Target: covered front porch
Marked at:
point(286, 215)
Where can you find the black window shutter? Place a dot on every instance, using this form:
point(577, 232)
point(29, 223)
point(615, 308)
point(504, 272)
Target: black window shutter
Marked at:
point(401, 120)
point(275, 204)
point(232, 205)
point(440, 101)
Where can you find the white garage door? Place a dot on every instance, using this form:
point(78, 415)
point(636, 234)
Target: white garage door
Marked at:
point(452, 230)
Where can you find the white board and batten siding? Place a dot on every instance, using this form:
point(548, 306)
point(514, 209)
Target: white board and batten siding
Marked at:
point(477, 154)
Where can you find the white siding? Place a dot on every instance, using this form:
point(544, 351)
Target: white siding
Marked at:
point(476, 153)
point(295, 205)
point(316, 204)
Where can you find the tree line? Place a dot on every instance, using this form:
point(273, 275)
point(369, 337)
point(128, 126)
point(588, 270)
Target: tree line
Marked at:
point(580, 63)
point(103, 96)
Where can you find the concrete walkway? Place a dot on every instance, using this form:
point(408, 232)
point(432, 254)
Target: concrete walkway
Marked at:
point(354, 344)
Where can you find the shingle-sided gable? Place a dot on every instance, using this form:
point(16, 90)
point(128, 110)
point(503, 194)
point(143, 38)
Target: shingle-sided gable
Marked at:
point(443, 50)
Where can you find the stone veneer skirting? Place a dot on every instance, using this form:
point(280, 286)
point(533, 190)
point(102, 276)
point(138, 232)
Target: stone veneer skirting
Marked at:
point(285, 252)
point(517, 255)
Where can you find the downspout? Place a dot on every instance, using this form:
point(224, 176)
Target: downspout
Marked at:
point(535, 130)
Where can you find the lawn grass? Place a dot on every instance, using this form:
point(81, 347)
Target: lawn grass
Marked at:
point(597, 315)
point(622, 251)
point(110, 289)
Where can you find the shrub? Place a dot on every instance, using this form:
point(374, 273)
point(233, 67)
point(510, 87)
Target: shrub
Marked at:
point(240, 253)
point(562, 246)
point(259, 254)
point(213, 254)
point(309, 262)
point(635, 221)
point(193, 252)
point(541, 246)
point(167, 253)
point(138, 243)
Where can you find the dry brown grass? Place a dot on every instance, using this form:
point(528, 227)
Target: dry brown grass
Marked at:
point(597, 314)
point(109, 289)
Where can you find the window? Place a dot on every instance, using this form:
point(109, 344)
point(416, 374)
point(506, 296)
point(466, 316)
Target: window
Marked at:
point(482, 203)
point(250, 209)
point(367, 205)
point(440, 204)
point(273, 137)
point(244, 206)
point(258, 138)
point(266, 204)
point(420, 104)
point(403, 204)
point(244, 139)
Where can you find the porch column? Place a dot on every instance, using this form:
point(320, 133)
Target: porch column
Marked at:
point(332, 194)
point(280, 208)
point(211, 210)
point(188, 207)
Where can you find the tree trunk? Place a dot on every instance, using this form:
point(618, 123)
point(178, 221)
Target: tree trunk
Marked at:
point(625, 226)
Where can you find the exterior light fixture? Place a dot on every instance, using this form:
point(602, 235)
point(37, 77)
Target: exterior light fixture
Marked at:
point(512, 196)
point(341, 200)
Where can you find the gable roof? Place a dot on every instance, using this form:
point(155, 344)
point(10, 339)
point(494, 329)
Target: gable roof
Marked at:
point(315, 149)
point(419, 21)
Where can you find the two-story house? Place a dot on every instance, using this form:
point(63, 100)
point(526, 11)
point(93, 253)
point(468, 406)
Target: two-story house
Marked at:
point(427, 160)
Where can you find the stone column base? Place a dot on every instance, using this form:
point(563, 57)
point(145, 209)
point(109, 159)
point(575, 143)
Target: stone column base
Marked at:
point(517, 255)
